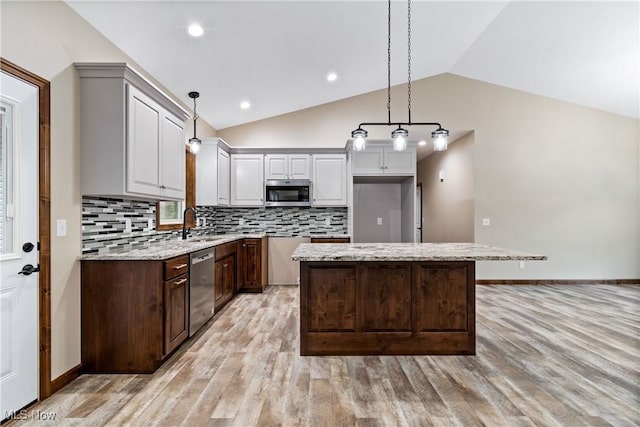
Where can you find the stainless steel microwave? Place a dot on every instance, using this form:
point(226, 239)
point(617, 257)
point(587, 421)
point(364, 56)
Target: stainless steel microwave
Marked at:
point(287, 192)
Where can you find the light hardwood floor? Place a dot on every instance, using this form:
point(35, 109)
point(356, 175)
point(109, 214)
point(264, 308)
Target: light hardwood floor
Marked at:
point(546, 356)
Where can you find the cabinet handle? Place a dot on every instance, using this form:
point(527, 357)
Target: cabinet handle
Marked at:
point(163, 187)
point(180, 282)
point(225, 265)
point(178, 267)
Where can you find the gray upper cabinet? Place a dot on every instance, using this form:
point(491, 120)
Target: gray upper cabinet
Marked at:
point(383, 160)
point(132, 136)
point(212, 175)
point(287, 166)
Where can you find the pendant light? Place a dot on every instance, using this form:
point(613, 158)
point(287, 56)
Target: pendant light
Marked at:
point(440, 136)
point(194, 143)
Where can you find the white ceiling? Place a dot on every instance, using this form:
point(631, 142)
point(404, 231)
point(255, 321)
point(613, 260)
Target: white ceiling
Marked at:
point(276, 54)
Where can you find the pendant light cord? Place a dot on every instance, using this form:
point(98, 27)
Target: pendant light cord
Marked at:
point(389, 63)
point(409, 58)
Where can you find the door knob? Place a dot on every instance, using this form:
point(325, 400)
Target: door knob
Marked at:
point(28, 247)
point(28, 269)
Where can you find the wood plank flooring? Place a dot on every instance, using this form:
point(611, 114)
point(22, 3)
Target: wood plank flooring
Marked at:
point(546, 356)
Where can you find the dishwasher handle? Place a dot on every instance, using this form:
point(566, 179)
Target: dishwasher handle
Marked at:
point(200, 258)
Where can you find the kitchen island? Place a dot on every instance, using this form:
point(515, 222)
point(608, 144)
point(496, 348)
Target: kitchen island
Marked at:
point(391, 298)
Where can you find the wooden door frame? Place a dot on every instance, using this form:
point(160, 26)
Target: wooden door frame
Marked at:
point(44, 217)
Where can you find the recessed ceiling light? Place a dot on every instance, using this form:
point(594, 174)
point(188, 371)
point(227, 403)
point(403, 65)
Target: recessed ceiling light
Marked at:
point(245, 105)
point(422, 142)
point(331, 77)
point(195, 30)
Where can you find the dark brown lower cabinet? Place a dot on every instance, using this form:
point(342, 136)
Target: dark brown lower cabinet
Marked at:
point(359, 308)
point(254, 265)
point(133, 313)
point(225, 280)
point(225, 274)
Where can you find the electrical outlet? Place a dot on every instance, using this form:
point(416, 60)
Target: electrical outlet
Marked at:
point(521, 265)
point(241, 221)
point(127, 225)
point(379, 221)
point(204, 222)
point(486, 222)
point(327, 221)
point(150, 224)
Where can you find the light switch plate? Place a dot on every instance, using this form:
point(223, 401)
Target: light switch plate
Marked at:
point(241, 221)
point(486, 222)
point(61, 227)
point(379, 221)
point(522, 265)
point(127, 225)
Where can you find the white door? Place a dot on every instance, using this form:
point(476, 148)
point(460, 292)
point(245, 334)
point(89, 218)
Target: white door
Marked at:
point(400, 162)
point(275, 166)
point(370, 161)
point(19, 201)
point(207, 175)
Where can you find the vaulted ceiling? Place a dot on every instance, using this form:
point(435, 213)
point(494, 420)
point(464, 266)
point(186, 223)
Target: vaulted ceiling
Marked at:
point(277, 54)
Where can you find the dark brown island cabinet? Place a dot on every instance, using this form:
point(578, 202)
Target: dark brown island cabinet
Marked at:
point(360, 308)
point(134, 313)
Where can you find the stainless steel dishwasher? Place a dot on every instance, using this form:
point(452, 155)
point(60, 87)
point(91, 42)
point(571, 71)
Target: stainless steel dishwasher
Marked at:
point(201, 288)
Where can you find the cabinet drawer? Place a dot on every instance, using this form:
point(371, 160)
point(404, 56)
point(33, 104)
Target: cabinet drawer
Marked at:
point(225, 250)
point(330, 240)
point(176, 266)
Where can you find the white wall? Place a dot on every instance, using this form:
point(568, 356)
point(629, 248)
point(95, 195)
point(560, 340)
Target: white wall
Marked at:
point(448, 206)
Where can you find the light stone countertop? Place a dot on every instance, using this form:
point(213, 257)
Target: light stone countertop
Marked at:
point(170, 248)
point(408, 252)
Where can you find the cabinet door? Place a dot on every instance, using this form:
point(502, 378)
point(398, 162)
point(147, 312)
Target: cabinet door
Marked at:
point(172, 158)
point(370, 161)
point(223, 177)
point(276, 166)
point(219, 284)
point(207, 175)
point(143, 144)
point(329, 180)
point(400, 162)
point(300, 166)
point(252, 263)
point(176, 312)
point(247, 179)
point(229, 273)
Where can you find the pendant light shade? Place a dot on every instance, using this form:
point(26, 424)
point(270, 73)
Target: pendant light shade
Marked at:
point(440, 139)
point(359, 139)
point(195, 142)
point(399, 137)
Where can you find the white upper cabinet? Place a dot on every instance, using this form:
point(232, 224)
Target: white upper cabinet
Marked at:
point(329, 179)
point(247, 179)
point(212, 175)
point(224, 166)
point(132, 136)
point(287, 166)
point(383, 160)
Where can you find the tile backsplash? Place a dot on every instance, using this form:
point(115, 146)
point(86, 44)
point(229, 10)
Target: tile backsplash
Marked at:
point(276, 221)
point(104, 223)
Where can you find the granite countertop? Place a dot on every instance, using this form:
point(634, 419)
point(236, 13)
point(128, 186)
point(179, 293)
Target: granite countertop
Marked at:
point(170, 248)
point(408, 252)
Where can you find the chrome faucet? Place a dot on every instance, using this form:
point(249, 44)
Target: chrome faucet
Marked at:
point(184, 221)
